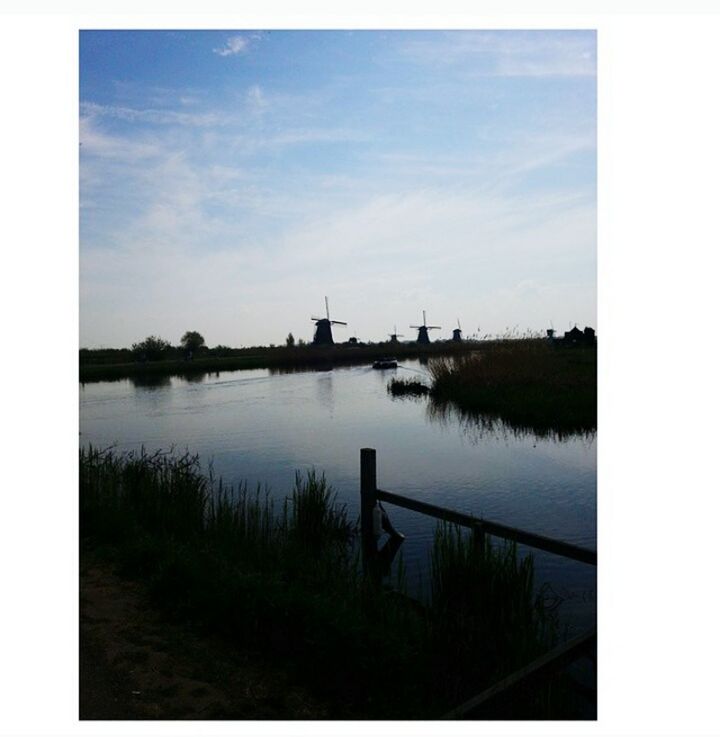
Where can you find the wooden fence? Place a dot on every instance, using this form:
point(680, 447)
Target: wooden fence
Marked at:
point(379, 561)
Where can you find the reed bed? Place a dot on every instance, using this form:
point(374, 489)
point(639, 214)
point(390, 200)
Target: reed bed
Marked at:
point(529, 383)
point(407, 387)
point(287, 584)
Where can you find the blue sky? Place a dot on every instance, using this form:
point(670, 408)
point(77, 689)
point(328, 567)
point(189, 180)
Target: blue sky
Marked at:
point(229, 180)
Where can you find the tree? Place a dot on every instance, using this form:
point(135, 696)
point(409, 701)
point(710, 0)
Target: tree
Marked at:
point(150, 349)
point(191, 341)
point(290, 340)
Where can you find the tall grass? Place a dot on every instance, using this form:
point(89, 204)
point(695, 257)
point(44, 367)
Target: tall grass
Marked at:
point(486, 616)
point(528, 383)
point(288, 584)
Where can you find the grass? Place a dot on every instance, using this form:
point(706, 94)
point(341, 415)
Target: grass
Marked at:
point(286, 583)
point(528, 383)
point(485, 612)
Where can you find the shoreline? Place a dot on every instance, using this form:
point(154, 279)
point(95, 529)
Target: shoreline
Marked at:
point(300, 358)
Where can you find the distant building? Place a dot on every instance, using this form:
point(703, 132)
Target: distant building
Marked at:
point(574, 337)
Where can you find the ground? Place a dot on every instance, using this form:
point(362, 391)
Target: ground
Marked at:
point(136, 665)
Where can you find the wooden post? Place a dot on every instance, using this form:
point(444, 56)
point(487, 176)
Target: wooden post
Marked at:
point(368, 500)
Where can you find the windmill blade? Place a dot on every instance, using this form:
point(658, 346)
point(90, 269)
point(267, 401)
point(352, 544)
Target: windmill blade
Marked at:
point(317, 318)
point(416, 327)
point(433, 327)
point(337, 322)
point(327, 308)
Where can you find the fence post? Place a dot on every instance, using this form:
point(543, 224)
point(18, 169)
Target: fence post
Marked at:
point(368, 500)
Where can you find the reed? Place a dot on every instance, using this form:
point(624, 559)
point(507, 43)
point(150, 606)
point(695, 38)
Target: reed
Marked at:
point(486, 615)
point(528, 383)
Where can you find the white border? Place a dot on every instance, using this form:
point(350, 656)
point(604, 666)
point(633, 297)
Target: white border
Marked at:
point(659, 159)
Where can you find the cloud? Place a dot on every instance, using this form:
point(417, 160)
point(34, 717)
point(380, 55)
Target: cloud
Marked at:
point(96, 143)
point(233, 45)
point(509, 54)
point(255, 100)
point(155, 116)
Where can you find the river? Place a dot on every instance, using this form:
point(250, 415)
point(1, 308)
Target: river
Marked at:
point(261, 426)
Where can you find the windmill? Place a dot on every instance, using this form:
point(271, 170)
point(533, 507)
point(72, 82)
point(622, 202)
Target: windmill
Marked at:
point(423, 330)
point(457, 333)
point(323, 330)
point(394, 336)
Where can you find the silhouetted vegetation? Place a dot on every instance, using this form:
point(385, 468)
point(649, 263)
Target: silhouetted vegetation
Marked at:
point(286, 582)
point(528, 383)
point(192, 341)
point(151, 349)
point(109, 364)
point(403, 387)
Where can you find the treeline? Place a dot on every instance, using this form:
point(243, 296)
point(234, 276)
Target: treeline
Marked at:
point(109, 364)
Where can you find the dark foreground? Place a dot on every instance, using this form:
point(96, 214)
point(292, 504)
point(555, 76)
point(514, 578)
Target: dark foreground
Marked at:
point(277, 597)
point(137, 664)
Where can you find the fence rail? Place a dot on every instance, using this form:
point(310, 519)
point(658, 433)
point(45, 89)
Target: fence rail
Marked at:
point(543, 666)
point(371, 495)
point(378, 562)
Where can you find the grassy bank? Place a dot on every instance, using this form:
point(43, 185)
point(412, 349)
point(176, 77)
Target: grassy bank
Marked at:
point(283, 580)
point(117, 364)
point(528, 383)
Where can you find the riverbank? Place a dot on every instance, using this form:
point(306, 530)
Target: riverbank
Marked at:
point(285, 586)
point(113, 365)
point(530, 384)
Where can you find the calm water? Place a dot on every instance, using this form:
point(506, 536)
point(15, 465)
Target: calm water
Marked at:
point(261, 427)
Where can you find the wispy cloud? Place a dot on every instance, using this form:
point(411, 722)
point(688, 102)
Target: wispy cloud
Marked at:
point(256, 100)
point(509, 54)
point(233, 45)
point(97, 143)
point(157, 116)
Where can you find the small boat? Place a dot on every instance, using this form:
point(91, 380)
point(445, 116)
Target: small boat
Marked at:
point(385, 363)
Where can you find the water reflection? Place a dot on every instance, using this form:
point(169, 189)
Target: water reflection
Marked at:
point(151, 381)
point(299, 368)
point(324, 390)
point(195, 377)
point(476, 426)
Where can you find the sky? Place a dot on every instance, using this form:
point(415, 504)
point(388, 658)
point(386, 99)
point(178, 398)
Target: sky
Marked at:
point(230, 180)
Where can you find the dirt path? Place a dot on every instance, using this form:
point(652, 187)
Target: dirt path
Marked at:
point(135, 665)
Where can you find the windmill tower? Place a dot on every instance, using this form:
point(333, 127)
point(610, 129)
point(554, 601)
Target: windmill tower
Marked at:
point(394, 336)
point(323, 330)
point(423, 330)
point(457, 333)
